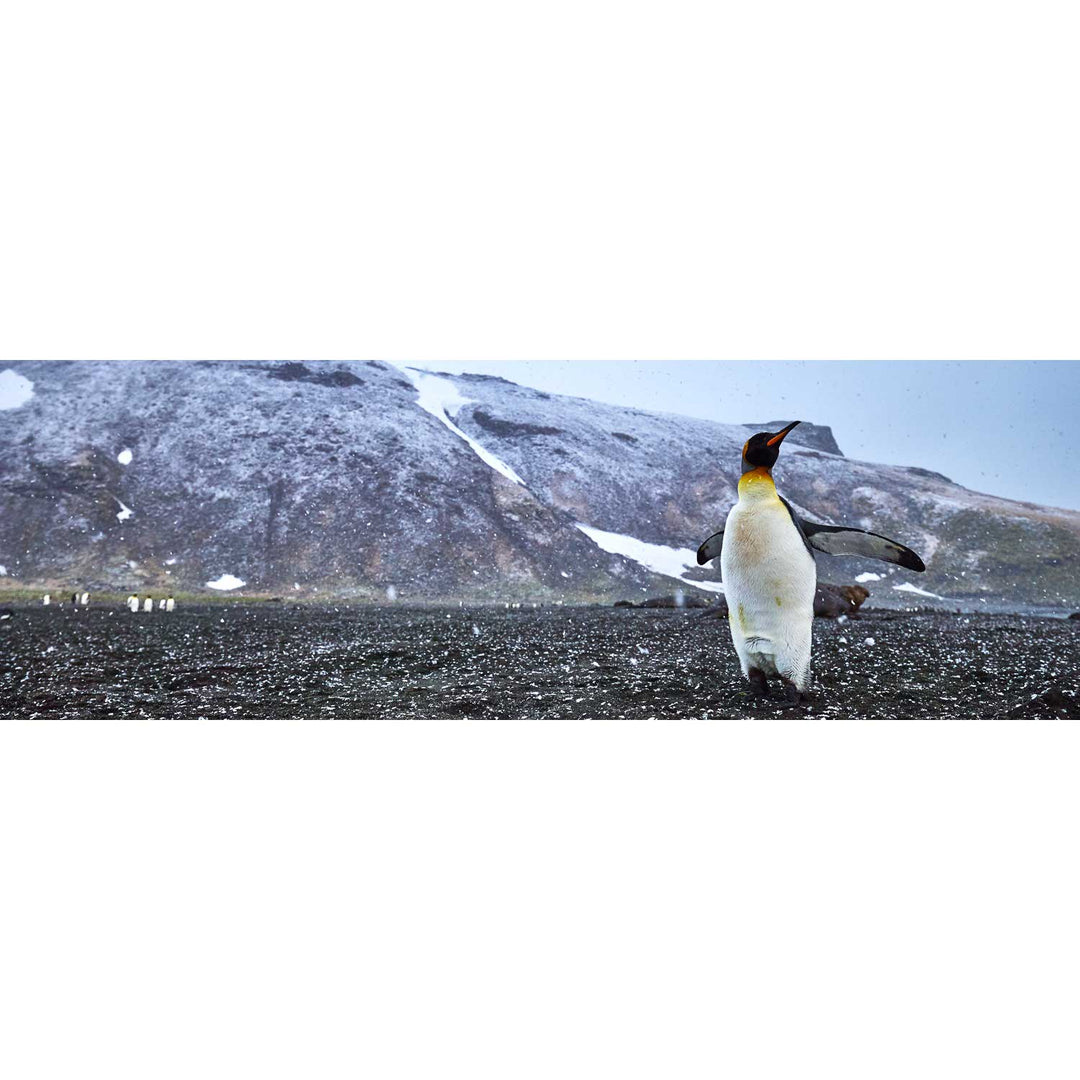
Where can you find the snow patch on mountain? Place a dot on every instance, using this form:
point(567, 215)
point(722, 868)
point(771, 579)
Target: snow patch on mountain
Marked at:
point(15, 389)
point(660, 559)
point(908, 587)
point(225, 582)
point(442, 399)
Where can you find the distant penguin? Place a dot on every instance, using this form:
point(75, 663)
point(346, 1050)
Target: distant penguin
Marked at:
point(46, 600)
point(161, 604)
point(85, 599)
point(133, 602)
point(770, 576)
point(170, 604)
point(148, 604)
point(74, 599)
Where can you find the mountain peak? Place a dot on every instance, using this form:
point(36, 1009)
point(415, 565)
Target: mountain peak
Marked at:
point(815, 436)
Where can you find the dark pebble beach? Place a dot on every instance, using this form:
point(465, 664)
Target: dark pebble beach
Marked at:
point(279, 661)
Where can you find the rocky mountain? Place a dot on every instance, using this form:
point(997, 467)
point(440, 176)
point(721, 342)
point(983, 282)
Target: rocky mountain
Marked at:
point(365, 480)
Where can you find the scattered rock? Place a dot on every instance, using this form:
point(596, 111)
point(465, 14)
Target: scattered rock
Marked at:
point(1052, 702)
point(509, 428)
point(296, 372)
point(915, 471)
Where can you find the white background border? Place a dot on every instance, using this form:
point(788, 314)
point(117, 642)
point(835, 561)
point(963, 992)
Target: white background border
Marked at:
point(483, 180)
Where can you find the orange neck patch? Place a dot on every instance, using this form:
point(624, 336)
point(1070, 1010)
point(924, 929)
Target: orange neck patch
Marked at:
point(750, 479)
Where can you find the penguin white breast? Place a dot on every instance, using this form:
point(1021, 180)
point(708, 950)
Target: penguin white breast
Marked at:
point(769, 576)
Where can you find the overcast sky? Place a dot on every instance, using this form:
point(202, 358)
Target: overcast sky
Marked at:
point(1008, 428)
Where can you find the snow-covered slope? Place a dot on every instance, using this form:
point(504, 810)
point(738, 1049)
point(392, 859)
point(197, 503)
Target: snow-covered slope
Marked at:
point(670, 480)
point(357, 478)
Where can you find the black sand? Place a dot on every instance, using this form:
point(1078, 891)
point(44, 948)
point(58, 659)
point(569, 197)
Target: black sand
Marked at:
point(276, 661)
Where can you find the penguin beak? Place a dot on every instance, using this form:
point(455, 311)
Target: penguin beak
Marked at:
point(778, 438)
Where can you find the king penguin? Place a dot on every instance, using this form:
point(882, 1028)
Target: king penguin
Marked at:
point(770, 575)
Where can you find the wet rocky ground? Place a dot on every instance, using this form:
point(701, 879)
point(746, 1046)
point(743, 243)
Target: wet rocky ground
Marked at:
point(276, 661)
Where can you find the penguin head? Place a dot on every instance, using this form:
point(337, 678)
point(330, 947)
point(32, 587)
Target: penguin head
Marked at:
point(762, 450)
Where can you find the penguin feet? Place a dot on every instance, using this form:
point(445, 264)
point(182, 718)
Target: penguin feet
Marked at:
point(759, 683)
point(759, 690)
point(793, 696)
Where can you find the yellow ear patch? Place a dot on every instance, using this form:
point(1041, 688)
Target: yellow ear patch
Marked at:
point(744, 446)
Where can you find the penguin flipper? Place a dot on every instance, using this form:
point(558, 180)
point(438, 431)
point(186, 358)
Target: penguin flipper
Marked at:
point(711, 548)
point(844, 540)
